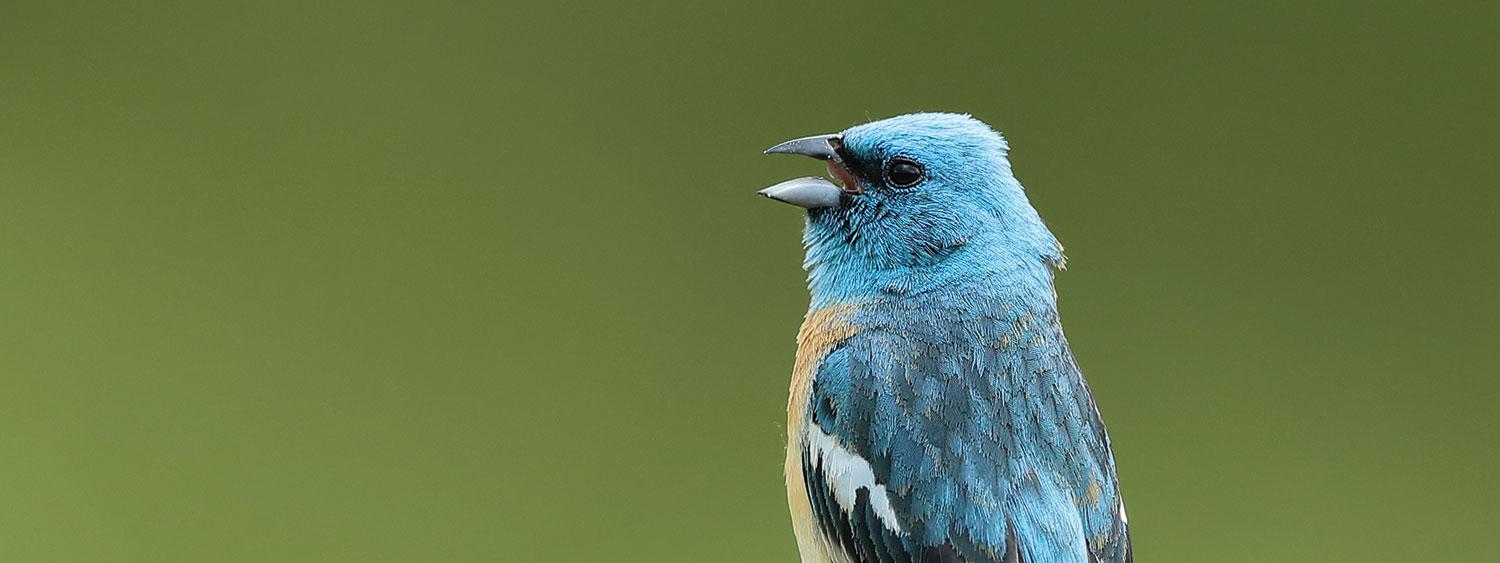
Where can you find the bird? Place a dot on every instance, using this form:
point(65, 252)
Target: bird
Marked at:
point(936, 412)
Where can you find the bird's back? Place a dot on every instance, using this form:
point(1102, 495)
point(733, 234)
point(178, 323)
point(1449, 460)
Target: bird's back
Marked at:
point(950, 425)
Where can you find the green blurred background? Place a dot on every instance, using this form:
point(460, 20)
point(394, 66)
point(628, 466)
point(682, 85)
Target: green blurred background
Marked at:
point(446, 281)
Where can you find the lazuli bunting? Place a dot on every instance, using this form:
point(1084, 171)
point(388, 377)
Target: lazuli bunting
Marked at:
point(936, 412)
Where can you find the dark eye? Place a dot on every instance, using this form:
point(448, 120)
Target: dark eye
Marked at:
point(902, 172)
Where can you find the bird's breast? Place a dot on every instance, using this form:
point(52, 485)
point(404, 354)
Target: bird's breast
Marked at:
point(822, 331)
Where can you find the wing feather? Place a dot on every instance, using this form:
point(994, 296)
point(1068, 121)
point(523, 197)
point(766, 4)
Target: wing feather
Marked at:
point(974, 441)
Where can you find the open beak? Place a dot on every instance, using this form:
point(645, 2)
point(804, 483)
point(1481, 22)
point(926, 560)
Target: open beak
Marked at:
point(814, 193)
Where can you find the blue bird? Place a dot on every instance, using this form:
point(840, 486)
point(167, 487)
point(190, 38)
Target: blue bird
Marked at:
point(936, 412)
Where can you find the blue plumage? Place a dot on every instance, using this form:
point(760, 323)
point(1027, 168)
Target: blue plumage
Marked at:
point(937, 412)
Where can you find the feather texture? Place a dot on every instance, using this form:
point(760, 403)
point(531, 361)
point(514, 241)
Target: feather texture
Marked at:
point(937, 412)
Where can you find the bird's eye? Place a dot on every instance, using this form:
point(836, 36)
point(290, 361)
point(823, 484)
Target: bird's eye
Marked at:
point(902, 172)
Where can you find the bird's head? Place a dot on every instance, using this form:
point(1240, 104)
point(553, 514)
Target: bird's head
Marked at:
point(920, 200)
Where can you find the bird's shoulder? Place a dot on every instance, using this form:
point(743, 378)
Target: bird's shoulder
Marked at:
point(958, 425)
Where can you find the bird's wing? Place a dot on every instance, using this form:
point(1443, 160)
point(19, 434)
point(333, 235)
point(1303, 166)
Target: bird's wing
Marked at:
point(961, 442)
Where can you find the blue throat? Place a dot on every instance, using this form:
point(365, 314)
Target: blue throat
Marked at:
point(841, 271)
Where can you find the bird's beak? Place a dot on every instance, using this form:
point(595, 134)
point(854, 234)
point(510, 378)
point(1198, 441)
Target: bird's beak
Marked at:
point(810, 193)
point(814, 193)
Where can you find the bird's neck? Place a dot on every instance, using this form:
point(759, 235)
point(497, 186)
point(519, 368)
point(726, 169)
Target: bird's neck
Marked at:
point(983, 268)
